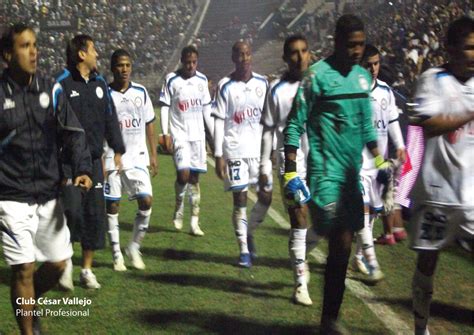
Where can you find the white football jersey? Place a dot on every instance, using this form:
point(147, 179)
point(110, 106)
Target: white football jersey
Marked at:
point(240, 105)
point(134, 112)
point(278, 106)
point(384, 112)
point(447, 171)
point(186, 99)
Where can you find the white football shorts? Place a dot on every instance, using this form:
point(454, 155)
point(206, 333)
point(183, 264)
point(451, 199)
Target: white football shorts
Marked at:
point(372, 192)
point(33, 232)
point(133, 182)
point(242, 173)
point(190, 155)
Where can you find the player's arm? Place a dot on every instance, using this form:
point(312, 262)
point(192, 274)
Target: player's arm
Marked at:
point(165, 103)
point(295, 127)
point(149, 113)
point(219, 124)
point(113, 135)
point(269, 120)
point(394, 129)
point(73, 139)
point(429, 109)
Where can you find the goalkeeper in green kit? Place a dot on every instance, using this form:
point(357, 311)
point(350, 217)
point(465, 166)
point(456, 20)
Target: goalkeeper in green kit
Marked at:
point(333, 106)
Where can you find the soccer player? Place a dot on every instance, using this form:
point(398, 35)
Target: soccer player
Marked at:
point(333, 105)
point(443, 197)
point(135, 115)
point(385, 123)
point(88, 94)
point(186, 104)
point(279, 100)
point(36, 122)
point(237, 138)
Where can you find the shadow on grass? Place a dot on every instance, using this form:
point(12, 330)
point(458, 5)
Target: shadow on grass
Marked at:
point(451, 313)
point(183, 255)
point(217, 323)
point(245, 286)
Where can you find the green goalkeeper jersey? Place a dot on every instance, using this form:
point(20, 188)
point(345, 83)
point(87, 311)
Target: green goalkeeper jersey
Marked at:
point(335, 110)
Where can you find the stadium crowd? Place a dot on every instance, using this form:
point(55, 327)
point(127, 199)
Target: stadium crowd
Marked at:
point(148, 29)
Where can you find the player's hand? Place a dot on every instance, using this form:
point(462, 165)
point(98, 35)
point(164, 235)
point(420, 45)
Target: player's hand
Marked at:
point(83, 181)
point(401, 155)
point(118, 162)
point(296, 192)
point(221, 170)
point(264, 183)
point(153, 166)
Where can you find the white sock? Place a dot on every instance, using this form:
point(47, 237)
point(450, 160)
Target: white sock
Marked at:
point(180, 192)
point(257, 215)
point(194, 221)
point(422, 290)
point(194, 198)
point(114, 234)
point(86, 271)
point(297, 248)
point(365, 242)
point(239, 220)
point(142, 221)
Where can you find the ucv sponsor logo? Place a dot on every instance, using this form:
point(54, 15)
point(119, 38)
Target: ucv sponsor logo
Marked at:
point(186, 104)
point(130, 123)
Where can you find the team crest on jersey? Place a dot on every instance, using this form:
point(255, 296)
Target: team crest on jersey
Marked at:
point(200, 88)
point(363, 83)
point(44, 100)
point(99, 92)
point(383, 104)
point(138, 102)
point(259, 92)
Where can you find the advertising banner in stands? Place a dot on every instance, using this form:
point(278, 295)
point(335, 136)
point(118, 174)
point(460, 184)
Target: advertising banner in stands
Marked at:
point(60, 24)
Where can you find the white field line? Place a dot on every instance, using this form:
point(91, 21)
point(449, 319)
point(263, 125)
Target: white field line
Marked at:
point(381, 310)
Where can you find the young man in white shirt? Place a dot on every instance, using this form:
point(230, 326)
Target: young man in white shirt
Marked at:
point(385, 121)
point(443, 197)
point(136, 116)
point(238, 133)
point(279, 101)
point(185, 106)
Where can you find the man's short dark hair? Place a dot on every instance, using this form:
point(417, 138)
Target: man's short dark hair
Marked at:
point(187, 50)
point(370, 51)
point(117, 54)
point(459, 30)
point(347, 24)
point(293, 38)
point(79, 42)
point(8, 37)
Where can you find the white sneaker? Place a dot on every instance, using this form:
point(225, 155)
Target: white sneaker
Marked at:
point(178, 220)
point(65, 281)
point(196, 231)
point(301, 296)
point(119, 264)
point(358, 265)
point(135, 257)
point(375, 274)
point(88, 280)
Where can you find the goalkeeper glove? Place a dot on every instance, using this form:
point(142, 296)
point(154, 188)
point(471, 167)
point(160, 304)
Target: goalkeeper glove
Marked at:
point(295, 190)
point(384, 174)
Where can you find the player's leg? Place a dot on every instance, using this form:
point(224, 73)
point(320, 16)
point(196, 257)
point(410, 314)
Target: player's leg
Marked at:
point(22, 294)
point(52, 239)
point(140, 227)
point(195, 201)
point(264, 200)
point(297, 249)
point(422, 288)
point(182, 161)
point(71, 198)
point(239, 220)
point(340, 240)
point(93, 237)
point(113, 194)
point(180, 188)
